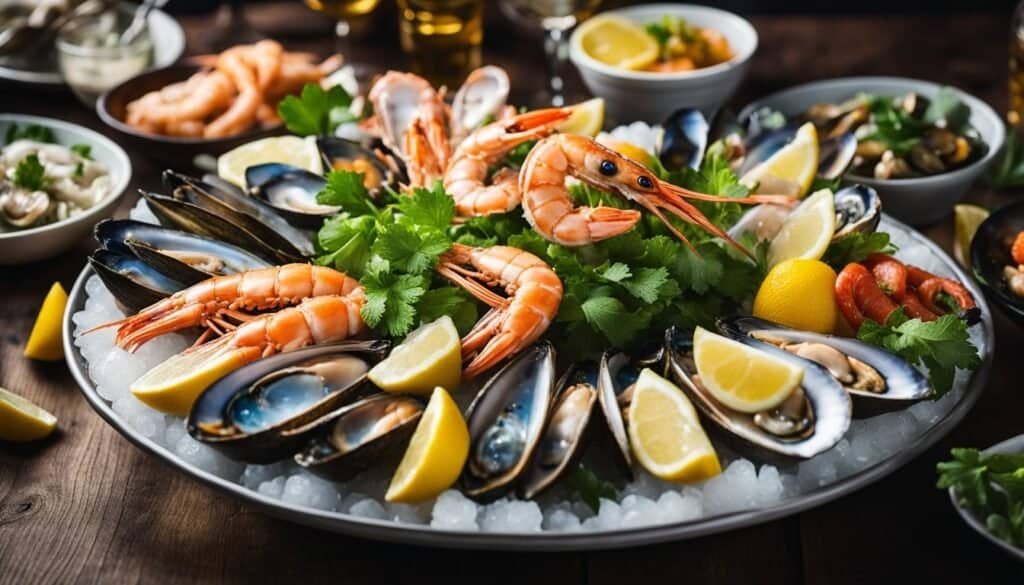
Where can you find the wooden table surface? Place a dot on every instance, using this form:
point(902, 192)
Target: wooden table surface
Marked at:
point(88, 507)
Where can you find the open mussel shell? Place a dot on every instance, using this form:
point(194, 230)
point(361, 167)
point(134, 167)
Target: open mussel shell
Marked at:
point(866, 371)
point(182, 256)
point(812, 421)
point(291, 191)
point(684, 140)
point(506, 421)
point(380, 169)
point(262, 224)
point(134, 283)
point(360, 435)
point(260, 413)
point(990, 255)
point(835, 155)
point(858, 209)
point(565, 434)
point(617, 375)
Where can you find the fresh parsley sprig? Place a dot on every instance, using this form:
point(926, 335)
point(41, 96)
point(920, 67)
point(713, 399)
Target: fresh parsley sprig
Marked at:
point(316, 111)
point(29, 132)
point(30, 174)
point(990, 485)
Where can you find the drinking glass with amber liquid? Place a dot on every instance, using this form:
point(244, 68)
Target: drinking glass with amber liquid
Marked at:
point(442, 37)
point(344, 12)
point(1015, 115)
point(557, 18)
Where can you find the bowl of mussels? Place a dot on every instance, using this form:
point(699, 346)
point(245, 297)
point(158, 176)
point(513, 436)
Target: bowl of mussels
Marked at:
point(919, 144)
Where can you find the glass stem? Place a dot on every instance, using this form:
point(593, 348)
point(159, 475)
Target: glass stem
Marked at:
point(556, 51)
point(343, 40)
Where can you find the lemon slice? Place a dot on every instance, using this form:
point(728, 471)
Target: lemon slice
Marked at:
point(795, 163)
point(436, 452)
point(430, 356)
point(22, 421)
point(617, 42)
point(967, 219)
point(665, 433)
point(742, 377)
point(292, 150)
point(807, 231)
point(587, 118)
point(45, 341)
point(174, 385)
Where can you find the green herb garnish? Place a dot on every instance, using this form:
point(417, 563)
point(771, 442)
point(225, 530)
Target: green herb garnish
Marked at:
point(990, 485)
point(1009, 173)
point(82, 150)
point(856, 246)
point(590, 488)
point(316, 112)
point(30, 174)
point(29, 132)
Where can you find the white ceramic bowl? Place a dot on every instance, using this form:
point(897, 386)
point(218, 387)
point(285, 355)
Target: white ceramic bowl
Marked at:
point(921, 200)
point(24, 246)
point(651, 97)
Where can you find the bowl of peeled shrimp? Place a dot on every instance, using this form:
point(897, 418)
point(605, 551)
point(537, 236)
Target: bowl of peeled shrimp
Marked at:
point(211, 104)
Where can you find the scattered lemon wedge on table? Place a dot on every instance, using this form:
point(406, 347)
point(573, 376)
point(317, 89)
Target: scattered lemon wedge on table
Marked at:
point(967, 219)
point(174, 385)
point(291, 150)
point(436, 453)
point(587, 118)
point(22, 421)
point(665, 432)
point(46, 340)
point(807, 231)
point(430, 356)
point(618, 42)
point(742, 377)
point(799, 294)
point(796, 163)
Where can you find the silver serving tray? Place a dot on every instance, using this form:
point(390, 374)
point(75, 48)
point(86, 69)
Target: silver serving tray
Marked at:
point(546, 541)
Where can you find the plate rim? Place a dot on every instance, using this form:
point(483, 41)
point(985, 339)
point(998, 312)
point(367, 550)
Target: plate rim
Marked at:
point(388, 531)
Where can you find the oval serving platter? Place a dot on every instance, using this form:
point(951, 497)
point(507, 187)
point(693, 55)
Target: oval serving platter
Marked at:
point(970, 388)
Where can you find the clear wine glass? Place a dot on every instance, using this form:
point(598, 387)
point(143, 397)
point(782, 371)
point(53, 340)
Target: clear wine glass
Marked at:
point(556, 18)
point(344, 12)
point(231, 28)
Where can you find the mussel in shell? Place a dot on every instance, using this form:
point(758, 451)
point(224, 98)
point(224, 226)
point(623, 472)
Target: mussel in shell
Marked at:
point(133, 282)
point(360, 435)
point(291, 191)
point(865, 371)
point(684, 140)
point(506, 421)
point(618, 374)
point(835, 154)
point(565, 434)
point(858, 209)
point(812, 420)
point(182, 256)
point(262, 412)
point(380, 169)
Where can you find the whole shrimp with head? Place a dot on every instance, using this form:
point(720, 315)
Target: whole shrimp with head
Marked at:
point(549, 207)
point(533, 293)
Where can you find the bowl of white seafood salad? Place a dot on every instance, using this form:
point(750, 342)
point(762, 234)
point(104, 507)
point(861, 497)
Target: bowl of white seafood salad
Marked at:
point(57, 180)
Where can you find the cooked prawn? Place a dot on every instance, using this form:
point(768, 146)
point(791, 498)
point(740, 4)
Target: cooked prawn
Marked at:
point(242, 112)
point(514, 321)
point(219, 303)
point(550, 209)
point(465, 179)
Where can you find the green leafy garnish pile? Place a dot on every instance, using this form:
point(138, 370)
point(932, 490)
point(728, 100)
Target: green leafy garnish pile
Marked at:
point(29, 132)
point(30, 174)
point(991, 486)
point(856, 246)
point(616, 292)
point(899, 131)
point(942, 345)
point(590, 488)
point(316, 112)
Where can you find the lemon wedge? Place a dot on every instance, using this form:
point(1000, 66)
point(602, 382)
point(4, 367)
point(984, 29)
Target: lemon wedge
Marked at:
point(430, 356)
point(799, 294)
point(628, 150)
point(807, 231)
point(587, 118)
point(292, 150)
point(22, 421)
point(618, 42)
point(967, 219)
point(665, 433)
point(742, 377)
point(46, 341)
point(795, 164)
point(436, 452)
point(174, 385)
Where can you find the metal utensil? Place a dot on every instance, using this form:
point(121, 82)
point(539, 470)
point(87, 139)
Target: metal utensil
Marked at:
point(139, 20)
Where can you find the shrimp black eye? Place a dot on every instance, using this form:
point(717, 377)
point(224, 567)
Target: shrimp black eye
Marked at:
point(608, 168)
point(645, 182)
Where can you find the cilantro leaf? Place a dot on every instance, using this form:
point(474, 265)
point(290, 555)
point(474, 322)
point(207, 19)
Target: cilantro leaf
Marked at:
point(451, 301)
point(30, 174)
point(31, 132)
point(650, 284)
point(82, 150)
point(942, 345)
point(610, 317)
point(590, 488)
point(992, 486)
point(316, 112)
point(948, 110)
point(855, 247)
point(408, 250)
point(432, 208)
point(617, 272)
point(346, 189)
point(349, 240)
point(391, 298)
